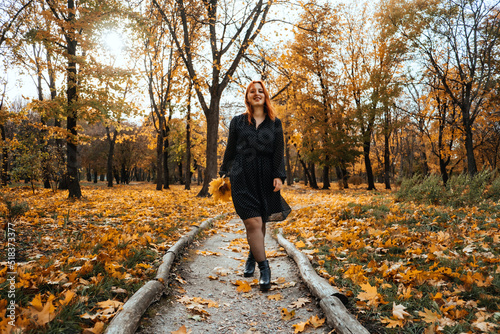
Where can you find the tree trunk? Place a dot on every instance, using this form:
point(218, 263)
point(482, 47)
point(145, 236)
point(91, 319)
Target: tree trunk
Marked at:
point(187, 183)
point(181, 178)
point(312, 173)
point(289, 176)
point(326, 177)
point(387, 160)
point(212, 139)
point(5, 157)
point(72, 117)
point(469, 148)
point(368, 165)
point(111, 154)
point(342, 176)
point(166, 171)
point(159, 160)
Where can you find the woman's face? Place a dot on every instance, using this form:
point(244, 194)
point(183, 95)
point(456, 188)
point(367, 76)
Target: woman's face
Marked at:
point(255, 95)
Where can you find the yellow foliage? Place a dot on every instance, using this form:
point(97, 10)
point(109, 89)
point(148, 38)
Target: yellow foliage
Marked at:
point(220, 189)
point(71, 240)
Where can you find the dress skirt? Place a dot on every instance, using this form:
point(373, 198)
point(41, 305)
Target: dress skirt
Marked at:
point(253, 159)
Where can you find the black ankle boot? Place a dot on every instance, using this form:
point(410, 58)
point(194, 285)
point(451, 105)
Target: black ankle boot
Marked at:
point(249, 266)
point(265, 276)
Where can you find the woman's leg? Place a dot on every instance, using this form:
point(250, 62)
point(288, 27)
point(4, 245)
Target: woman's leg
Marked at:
point(255, 236)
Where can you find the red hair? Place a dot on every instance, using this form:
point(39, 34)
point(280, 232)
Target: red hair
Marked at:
point(268, 106)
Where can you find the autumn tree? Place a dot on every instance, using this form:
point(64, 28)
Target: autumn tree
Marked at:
point(11, 13)
point(457, 39)
point(231, 30)
point(356, 62)
point(162, 66)
point(75, 24)
point(323, 110)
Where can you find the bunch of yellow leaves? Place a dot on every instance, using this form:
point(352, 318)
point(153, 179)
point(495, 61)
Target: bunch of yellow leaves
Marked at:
point(220, 189)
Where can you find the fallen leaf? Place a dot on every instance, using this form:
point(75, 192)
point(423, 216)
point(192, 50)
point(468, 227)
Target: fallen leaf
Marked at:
point(300, 244)
point(316, 322)
point(428, 316)
point(276, 297)
point(369, 294)
point(300, 327)
point(398, 311)
point(97, 329)
point(42, 313)
point(243, 286)
point(182, 330)
point(285, 315)
point(299, 303)
point(392, 323)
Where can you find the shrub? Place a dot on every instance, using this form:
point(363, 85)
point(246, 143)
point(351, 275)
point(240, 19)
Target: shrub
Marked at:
point(460, 190)
point(493, 191)
point(406, 190)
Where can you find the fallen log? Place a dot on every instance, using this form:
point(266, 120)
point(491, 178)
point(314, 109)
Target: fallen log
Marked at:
point(332, 301)
point(127, 320)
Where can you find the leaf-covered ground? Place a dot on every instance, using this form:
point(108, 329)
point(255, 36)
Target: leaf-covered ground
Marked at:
point(79, 261)
point(412, 268)
point(408, 267)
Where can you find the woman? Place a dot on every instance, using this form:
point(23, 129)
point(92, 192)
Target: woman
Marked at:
point(255, 165)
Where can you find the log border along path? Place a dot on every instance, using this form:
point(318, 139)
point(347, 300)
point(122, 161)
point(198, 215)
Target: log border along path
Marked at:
point(331, 300)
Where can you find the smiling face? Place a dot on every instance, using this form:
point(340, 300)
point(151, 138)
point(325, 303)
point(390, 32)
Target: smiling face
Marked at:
point(255, 95)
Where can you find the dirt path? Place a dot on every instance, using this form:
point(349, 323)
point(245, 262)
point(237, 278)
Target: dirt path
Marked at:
point(205, 299)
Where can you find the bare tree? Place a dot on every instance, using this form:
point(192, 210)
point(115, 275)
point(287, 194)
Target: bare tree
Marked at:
point(231, 30)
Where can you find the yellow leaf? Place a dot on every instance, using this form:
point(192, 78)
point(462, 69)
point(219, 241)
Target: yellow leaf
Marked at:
point(300, 327)
point(428, 316)
point(285, 315)
point(68, 296)
point(369, 294)
point(220, 189)
point(243, 286)
point(97, 329)
point(37, 302)
point(300, 244)
point(44, 315)
point(316, 322)
point(392, 323)
point(275, 297)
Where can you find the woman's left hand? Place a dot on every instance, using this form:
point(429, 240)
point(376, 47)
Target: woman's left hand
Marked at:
point(278, 184)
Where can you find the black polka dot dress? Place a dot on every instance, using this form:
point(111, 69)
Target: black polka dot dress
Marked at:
point(253, 159)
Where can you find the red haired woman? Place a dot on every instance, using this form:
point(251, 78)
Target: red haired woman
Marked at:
point(255, 165)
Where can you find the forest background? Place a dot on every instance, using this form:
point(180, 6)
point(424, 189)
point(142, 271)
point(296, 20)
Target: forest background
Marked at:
point(144, 91)
point(387, 93)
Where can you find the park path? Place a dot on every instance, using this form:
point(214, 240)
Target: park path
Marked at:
point(204, 296)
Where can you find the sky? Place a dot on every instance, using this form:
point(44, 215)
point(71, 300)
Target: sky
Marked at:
point(21, 85)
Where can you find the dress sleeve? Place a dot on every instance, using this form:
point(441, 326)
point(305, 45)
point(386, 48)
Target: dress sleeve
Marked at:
point(278, 152)
point(230, 152)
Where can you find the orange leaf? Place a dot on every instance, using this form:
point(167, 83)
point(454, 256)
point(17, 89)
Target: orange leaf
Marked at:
point(68, 296)
point(300, 327)
point(243, 286)
point(275, 297)
point(46, 313)
point(369, 294)
point(182, 330)
point(285, 315)
point(392, 323)
point(429, 316)
point(316, 322)
point(300, 244)
point(97, 329)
